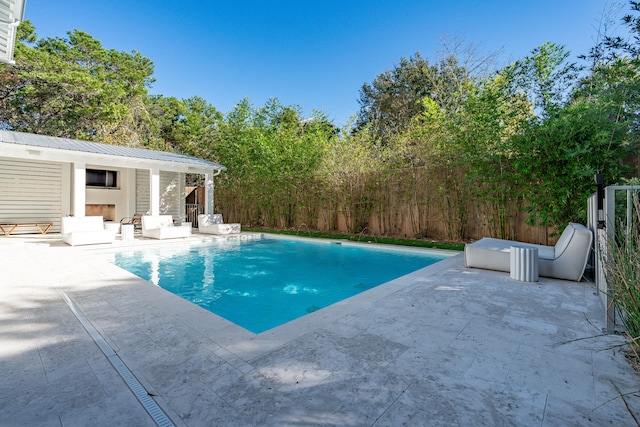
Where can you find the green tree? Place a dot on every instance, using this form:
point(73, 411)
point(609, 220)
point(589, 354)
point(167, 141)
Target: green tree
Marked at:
point(470, 144)
point(393, 98)
point(594, 132)
point(545, 76)
point(275, 157)
point(592, 128)
point(75, 88)
point(613, 47)
point(194, 128)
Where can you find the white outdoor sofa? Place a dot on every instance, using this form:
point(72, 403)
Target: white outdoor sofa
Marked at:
point(213, 224)
point(566, 260)
point(161, 227)
point(85, 230)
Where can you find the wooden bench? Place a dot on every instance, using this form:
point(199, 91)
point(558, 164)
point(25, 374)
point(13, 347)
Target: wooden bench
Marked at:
point(7, 229)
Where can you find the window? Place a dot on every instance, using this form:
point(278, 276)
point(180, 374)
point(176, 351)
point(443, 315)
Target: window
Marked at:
point(102, 178)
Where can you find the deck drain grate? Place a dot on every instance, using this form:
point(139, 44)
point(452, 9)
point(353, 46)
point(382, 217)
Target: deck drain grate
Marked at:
point(127, 376)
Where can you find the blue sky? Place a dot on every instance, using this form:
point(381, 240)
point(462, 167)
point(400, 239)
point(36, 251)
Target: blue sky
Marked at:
point(316, 55)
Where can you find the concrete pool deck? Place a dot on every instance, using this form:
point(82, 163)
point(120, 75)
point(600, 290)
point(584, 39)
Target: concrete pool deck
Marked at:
point(443, 346)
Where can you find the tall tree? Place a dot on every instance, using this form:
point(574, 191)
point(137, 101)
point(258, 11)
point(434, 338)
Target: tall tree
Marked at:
point(612, 47)
point(195, 126)
point(546, 76)
point(73, 87)
point(394, 97)
point(589, 129)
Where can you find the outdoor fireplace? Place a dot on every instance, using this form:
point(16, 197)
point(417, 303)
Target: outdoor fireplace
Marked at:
point(108, 212)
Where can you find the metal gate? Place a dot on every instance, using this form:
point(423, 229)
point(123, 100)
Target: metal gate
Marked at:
point(191, 213)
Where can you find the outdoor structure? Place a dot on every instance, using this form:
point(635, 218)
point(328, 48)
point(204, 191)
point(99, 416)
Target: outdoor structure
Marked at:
point(43, 179)
point(11, 13)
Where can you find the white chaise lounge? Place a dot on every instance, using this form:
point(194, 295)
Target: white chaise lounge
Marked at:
point(213, 224)
point(85, 230)
point(161, 227)
point(566, 260)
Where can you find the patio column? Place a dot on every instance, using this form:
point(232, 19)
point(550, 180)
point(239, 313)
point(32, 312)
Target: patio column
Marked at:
point(208, 194)
point(154, 192)
point(78, 199)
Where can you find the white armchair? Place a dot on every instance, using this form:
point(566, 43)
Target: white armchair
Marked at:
point(161, 227)
point(213, 224)
point(566, 260)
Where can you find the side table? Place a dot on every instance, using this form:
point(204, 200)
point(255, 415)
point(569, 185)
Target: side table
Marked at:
point(524, 263)
point(126, 232)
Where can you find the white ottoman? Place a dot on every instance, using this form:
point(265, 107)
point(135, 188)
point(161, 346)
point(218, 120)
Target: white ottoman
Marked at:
point(524, 263)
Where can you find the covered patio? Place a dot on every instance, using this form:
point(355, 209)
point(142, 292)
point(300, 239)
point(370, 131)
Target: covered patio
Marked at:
point(44, 178)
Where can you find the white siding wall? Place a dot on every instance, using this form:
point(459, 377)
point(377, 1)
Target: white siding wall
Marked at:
point(172, 198)
point(30, 191)
point(172, 195)
point(143, 203)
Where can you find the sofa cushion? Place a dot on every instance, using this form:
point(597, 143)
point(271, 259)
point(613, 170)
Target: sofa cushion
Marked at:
point(210, 219)
point(161, 227)
point(149, 222)
point(81, 223)
point(212, 224)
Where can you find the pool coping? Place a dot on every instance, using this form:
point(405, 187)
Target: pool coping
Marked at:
point(242, 342)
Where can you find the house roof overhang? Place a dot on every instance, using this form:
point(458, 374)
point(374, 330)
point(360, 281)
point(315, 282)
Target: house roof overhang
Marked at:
point(28, 146)
point(11, 14)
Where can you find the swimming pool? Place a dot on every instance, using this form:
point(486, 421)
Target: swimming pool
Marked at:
point(259, 284)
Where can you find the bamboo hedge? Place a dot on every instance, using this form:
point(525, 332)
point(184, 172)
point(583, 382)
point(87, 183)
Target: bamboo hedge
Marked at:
point(418, 203)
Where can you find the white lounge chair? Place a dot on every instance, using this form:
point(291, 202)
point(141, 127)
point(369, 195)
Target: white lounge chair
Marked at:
point(213, 224)
point(161, 227)
point(85, 230)
point(566, 260)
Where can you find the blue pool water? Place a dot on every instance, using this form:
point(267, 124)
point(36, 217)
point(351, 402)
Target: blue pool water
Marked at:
point(263, 283)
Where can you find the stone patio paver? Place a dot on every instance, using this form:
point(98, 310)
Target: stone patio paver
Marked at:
point(442, 346)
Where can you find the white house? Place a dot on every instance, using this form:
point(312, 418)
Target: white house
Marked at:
point(11, 13)
point(44, 178)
